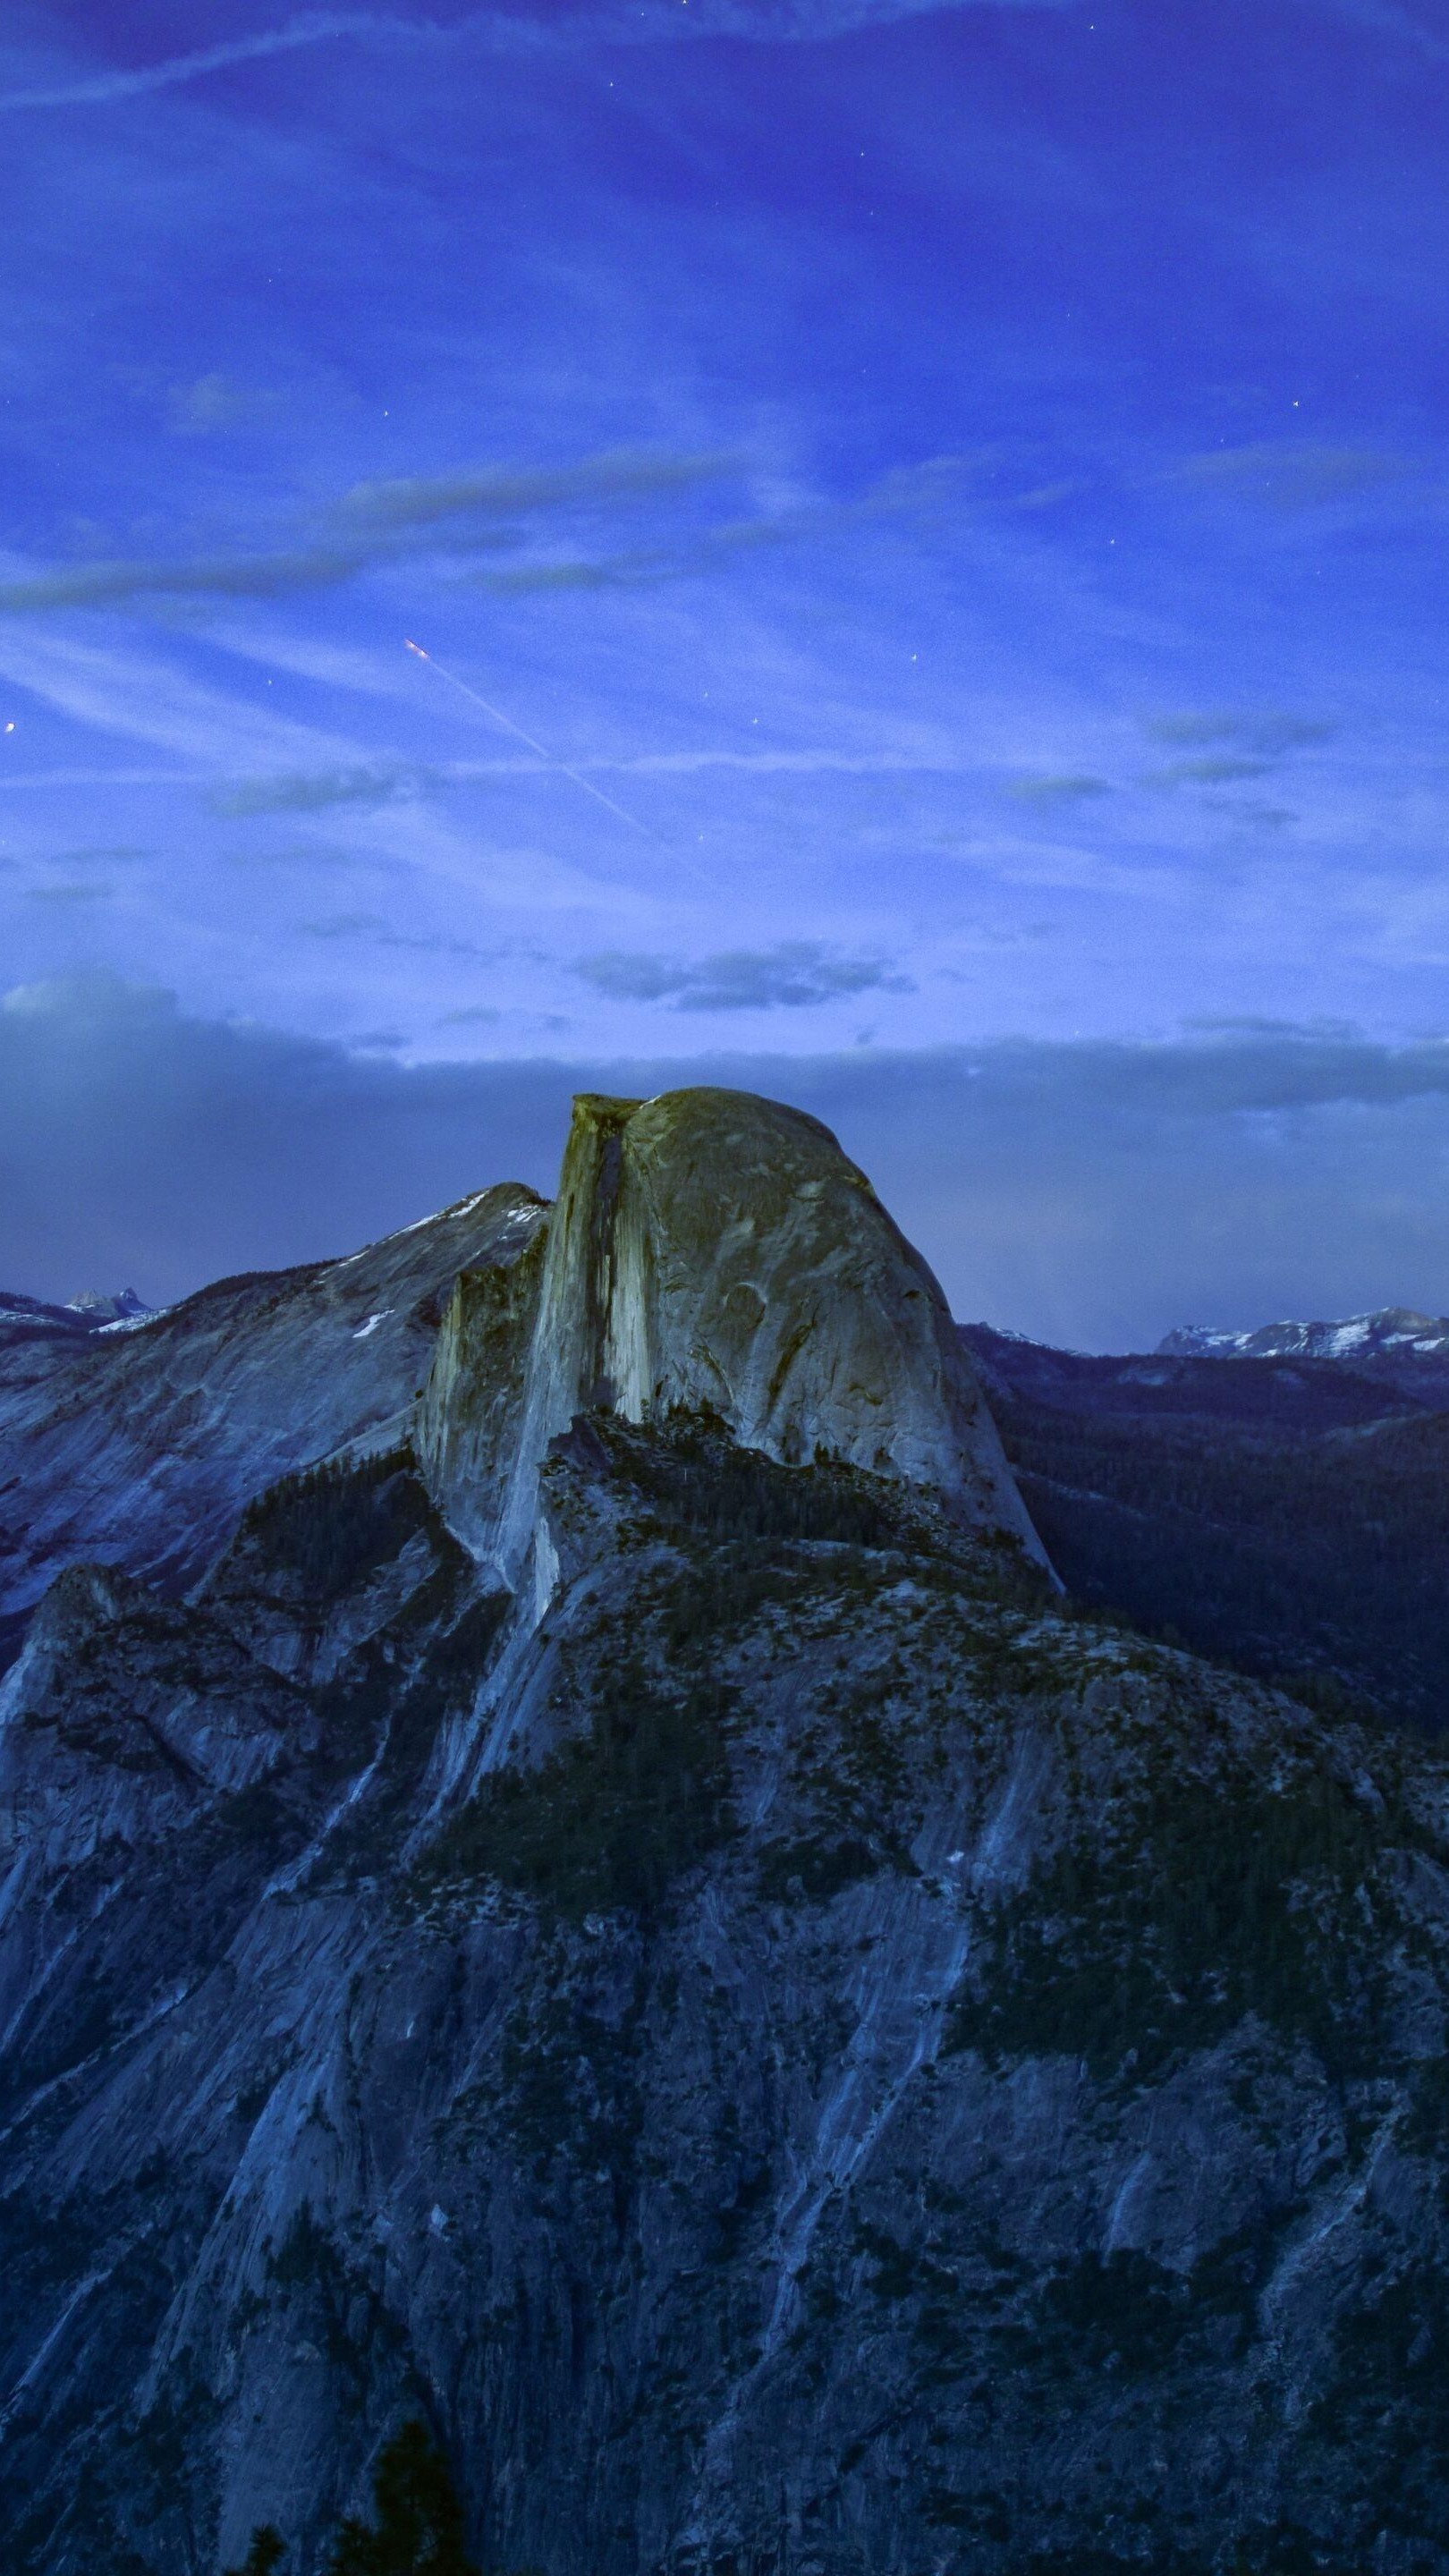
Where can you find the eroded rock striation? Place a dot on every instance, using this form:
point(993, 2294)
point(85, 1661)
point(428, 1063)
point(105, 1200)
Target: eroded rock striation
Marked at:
point(709, 1251)
point(799, 2055)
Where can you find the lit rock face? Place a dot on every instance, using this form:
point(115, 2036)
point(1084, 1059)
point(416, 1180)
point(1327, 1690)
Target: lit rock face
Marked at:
point(712, 1251)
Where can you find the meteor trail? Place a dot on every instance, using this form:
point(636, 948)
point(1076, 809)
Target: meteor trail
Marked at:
point(509, 726)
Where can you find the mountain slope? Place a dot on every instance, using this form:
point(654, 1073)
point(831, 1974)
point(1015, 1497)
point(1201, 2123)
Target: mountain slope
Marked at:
point(141, 1445)
point(797, 2053)
point(879, 2070)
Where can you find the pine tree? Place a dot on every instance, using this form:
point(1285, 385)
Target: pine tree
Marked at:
point(264, 2555)
point(419, 2527)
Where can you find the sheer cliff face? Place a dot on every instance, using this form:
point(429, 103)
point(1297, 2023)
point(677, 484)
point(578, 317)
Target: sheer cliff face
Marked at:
point(715, 1252)
point(802, 2059)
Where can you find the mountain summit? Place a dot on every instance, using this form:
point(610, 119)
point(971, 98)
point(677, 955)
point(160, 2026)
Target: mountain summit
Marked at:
point(709, 1251)
point(125, 1308)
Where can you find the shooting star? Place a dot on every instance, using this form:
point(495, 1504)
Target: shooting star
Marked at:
point(499, 718)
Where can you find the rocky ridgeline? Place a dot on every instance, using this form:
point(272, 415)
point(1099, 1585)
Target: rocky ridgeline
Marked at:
point(140, 1446)
point(621, 1913)
point(1407, 1349)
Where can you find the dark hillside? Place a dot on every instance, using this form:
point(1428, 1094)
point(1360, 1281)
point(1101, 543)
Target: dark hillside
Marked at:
point(1290, 1517)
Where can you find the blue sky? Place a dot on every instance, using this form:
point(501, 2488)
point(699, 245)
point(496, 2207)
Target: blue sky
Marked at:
point(942, 505)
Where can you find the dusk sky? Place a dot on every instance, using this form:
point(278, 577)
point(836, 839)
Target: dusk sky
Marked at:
point(928, 520)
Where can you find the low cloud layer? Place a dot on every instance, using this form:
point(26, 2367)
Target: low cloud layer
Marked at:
point(1091, 1194)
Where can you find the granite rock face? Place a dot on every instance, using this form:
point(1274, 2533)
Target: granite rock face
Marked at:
point(800, 2056)
point(709, 1251)
point(880, 2076)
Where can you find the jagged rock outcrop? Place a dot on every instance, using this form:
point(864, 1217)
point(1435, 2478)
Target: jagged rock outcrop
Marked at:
point(708, 1251)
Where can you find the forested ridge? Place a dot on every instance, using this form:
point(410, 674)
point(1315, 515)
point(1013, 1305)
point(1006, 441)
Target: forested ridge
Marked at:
point(1289, 1518)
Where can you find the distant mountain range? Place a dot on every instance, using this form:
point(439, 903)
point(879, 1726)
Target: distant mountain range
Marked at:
point(88, 1313)
point(1394, 1333)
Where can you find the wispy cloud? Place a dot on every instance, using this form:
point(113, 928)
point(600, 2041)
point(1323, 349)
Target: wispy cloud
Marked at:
point(1287, 474)
point(1214, 771)
point(101, 854)
point(69, 894)
point(1227, 746)
point(372, 927)
point(926, 497)
point(624, 22)
point(1269, 731)
point(316, 27)
point(374, 524)
point(764, 763)
point(345, 925)
point(358, 668)
point(47, 779)
point(616, 572)
point(510, 510)
point(304, 792)
point(787, 22)
point(215, 402)
point(413, 501)
point(139, 695)
point(1057, 791)
point(113, 584)
point(796, 975)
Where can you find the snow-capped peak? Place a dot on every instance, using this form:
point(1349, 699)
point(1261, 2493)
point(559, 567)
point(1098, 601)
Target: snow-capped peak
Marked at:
point(125, 1308)
point(1397, 1329)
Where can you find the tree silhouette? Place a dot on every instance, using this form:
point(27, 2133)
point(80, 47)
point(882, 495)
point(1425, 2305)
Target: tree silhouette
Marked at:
point(419, 2527)
point(264, 2554)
